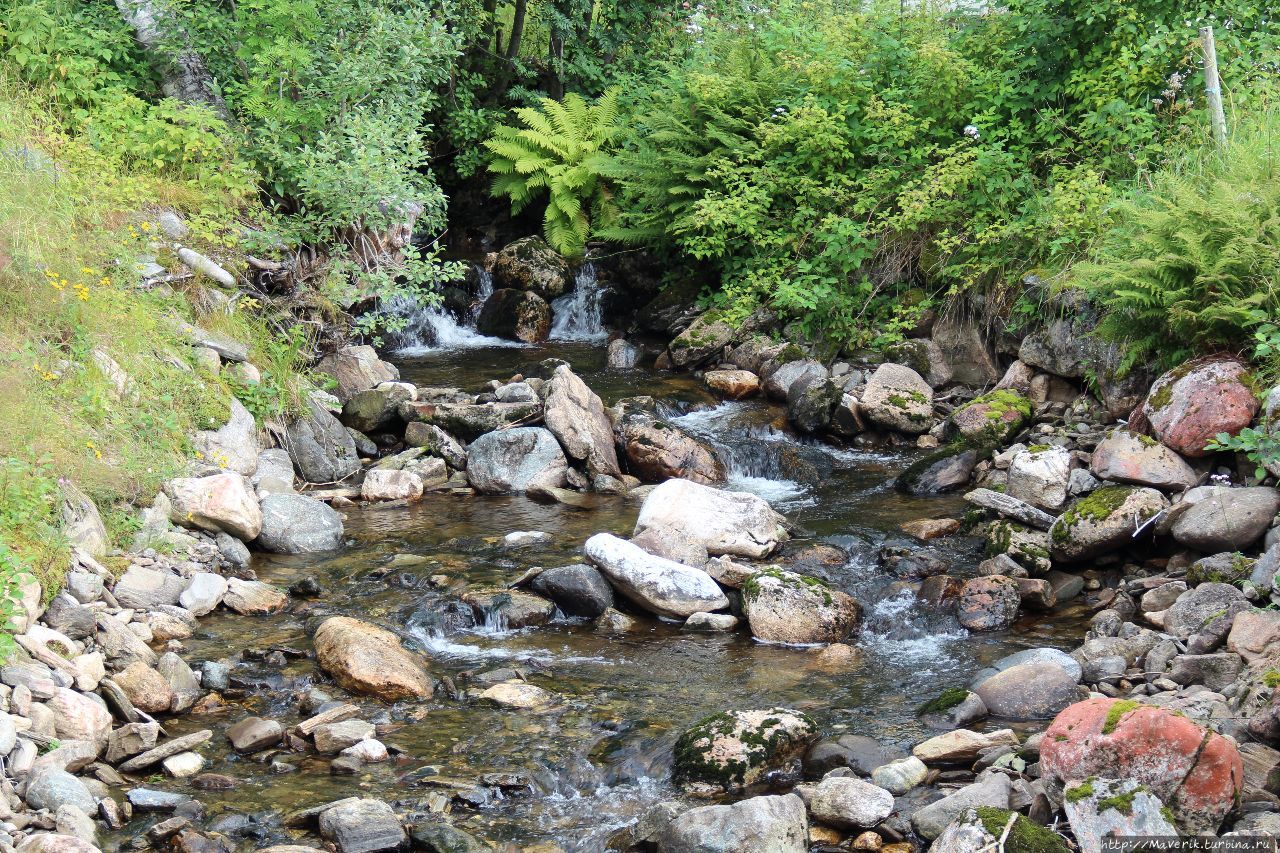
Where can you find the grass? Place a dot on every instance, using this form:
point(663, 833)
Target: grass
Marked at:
point(73, 225)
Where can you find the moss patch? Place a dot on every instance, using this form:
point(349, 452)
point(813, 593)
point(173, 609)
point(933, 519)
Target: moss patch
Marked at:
point(1096, 507)
point(1025, 836)
point(1116, 711)
point(944, 701)
point(1080, 792)
point(1122, 803)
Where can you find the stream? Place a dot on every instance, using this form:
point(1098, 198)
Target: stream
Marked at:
point(603, 755)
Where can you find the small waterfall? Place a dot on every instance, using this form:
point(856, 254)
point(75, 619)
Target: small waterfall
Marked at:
point(579, 315)
point(434, 327)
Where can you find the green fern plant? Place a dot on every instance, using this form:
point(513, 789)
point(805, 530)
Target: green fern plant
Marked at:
point(558, 152)
point(1193, 264)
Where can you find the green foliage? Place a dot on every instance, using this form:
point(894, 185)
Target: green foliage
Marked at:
point(826, 160)
point(557, 153)
point(1190, 264)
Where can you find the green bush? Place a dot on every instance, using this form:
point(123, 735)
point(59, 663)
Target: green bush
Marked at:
point(558, 153)
point(1192, 262)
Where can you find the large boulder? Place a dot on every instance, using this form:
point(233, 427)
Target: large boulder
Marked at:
point(992, 418)
point(793, 374)
point(659, 585)
point(732, 750)
point(220, 503)
point(945, 470)
point(658, 451)
point(575, 415)
point(517, 314)
point(1035, 690)
point(1190, 405)
point(1114, 808)
point(990, 790)
point(1039, 475)
point(376, 409)
point(988, 603)
point(1103, 521)
point(1196, 772)
point(576, 590)
point(147, 588)
point(81, 522)
point(1127, 457)
point(734, 523)
point(849, 803)
point(810, 407)
point(233, 446)
point(362, 826)
point(734, 384)
point(321, 448)
point(925, 357)
point(710, 334)
point(516, 460)
point(768, 824)
point(964, 347)
point(783, 607)
point(530, 264)
point(355, 369)
point(366, 659)
point(1209, 608)
point(468, 421)
point(1213, 519)
point(298, 524)
point(897, 398)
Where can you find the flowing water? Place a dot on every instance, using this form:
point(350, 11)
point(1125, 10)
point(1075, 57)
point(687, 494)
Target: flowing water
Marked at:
point(602, 755)
point(579, 314)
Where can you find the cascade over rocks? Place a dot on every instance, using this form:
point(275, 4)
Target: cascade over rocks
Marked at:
point(1188, 406)
point(733, 523)
point(1197, 773)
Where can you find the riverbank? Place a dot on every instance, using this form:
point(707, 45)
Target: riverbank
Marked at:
point(512, 719)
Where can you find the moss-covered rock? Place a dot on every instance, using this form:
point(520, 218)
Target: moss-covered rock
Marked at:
point(731, 750)
point(1103, 521)
point(992, 418)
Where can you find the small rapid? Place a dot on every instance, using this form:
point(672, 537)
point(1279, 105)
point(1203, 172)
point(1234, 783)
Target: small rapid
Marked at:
point(579, 314)
point(434, 328)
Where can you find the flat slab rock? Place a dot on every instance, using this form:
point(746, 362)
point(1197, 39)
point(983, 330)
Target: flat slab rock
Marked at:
point(362, 826)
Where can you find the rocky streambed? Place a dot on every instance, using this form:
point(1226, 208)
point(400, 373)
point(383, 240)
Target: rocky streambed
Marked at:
point(535, 598)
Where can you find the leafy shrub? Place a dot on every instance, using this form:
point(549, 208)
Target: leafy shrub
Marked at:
point(557, 153)
point(1191, 264)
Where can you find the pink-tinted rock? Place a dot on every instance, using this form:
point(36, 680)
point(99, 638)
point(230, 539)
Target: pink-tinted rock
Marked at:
point(988, 603)
point(1195, 772)
point(1188, 406)
point(734, 384)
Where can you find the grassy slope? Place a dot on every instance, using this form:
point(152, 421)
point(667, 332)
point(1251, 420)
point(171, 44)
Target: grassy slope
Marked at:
point(72, 226)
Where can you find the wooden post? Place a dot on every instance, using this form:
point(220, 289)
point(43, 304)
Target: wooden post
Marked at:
point(1213, 86)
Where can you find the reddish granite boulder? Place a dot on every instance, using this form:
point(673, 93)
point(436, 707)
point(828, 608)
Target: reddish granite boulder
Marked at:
point(1195, 772)
point(988, 603)
point(1191, 404)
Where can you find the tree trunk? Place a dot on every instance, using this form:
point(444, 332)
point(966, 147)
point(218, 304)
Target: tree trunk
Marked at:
point(183, 75)
point(517, 28)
